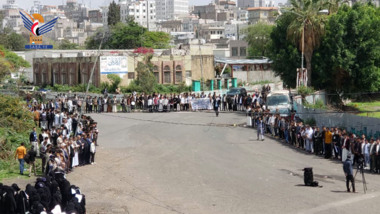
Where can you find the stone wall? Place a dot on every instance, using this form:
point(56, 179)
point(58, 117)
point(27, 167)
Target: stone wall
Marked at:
point(256, 76)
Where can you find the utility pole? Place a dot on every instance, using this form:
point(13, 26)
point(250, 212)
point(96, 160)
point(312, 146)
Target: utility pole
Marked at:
point(147, 15)
point(201, 60)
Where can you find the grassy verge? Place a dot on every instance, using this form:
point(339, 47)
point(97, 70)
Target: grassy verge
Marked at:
point(367, 109)
point(15, 124)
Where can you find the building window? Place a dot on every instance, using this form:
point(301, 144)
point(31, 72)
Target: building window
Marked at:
point(63, 79)
point(188, 74)
point(167, 74)
point(178, 74)
point(36, 78)
point(43, 79)
point(234, 51)
point(131, 76)
point(156, 73)
point(243, 51)
point(56, 77)
point(157, 76)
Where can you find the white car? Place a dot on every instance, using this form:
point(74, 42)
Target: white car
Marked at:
point(279, 102)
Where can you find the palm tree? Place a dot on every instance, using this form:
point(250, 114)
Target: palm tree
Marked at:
point(307, 27)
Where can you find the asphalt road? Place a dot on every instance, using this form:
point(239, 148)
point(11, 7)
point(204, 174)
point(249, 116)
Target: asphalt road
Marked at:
point(193, 163)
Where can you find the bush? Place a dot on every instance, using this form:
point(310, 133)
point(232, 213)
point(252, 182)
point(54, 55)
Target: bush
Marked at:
point(15, 124)
point(318, 105)
point(115, 81)
point(305, 91)
point(83, 88)
point(131, 88)
point(310, 122)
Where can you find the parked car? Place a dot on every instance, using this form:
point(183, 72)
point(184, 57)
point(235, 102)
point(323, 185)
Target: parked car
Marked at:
point(279, 102)
point(237, 91)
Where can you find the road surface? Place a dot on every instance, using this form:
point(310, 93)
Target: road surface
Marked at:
point(194, 163)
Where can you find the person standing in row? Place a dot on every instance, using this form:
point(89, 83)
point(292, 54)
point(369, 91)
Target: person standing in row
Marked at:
point(328, 141)
point(19, 155)
point(260, 129)
point(216, 102)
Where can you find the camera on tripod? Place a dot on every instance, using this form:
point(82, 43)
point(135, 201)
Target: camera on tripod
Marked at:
point(360, 168)
point(360, 162)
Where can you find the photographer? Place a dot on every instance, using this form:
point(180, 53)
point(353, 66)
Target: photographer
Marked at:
point(348, 171)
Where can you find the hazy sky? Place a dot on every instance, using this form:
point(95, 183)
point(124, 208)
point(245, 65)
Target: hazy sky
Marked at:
point(26, 4)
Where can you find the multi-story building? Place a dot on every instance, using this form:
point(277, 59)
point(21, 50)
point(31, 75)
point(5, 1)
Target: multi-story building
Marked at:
point(11, 16)
point(36, 8)
point(171, 9)
point(244, 4)
point(77, 12)
point(170, 26)
point(233, 29)
point(215, 12)
point(143, 12)
point(241, 14)
point(95, 16)
point(11, 4)
point(262, 14)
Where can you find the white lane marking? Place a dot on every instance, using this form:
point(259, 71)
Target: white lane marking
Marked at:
point(340, 203)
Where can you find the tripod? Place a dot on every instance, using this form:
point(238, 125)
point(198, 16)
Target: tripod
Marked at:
point(361, 168)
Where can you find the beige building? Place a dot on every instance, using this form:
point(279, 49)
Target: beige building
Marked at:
point(172, 66)
point(175, 66)
point(262, 14)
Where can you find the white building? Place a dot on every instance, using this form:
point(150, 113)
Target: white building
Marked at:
point(36, 8)
point(233, 29)
point(255, 3)
point(143, 12)
point(171, 9)
point(11, 4)
point(11, 16)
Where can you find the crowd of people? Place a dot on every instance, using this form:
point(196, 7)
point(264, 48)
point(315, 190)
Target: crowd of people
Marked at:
point(330, 142)
point(51, 194)
point(147, 102)
point(65, 141)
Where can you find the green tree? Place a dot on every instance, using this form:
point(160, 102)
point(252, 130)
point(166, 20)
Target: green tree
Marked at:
point(156, 40)
point(12, 41)
point(349, 57)
point(10, 62)
point(258, 38)
point(284, 55)
point(115, 82)
point(128, 36)
point(15, 42)
point(307, 23)
point(113, 14)
point(145, 77)
point(67, 45)
point(93, 41)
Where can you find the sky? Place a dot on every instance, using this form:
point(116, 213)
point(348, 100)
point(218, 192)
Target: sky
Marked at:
point(27, 4)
